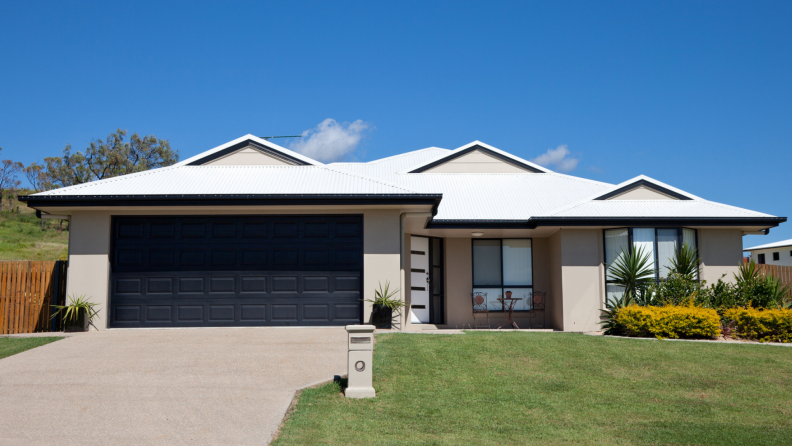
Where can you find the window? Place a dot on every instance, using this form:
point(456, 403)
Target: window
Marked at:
point(503, 267)
point(660, 243)
point(761, 259)
point(776, 256)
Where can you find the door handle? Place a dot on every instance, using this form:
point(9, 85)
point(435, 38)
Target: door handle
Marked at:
point(427, 278)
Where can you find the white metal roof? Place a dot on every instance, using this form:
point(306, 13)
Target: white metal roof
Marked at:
point(214, 179)
point(655, 208)
point(465, 196)
point(781, 244)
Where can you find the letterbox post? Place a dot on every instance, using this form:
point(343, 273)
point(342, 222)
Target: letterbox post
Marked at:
point(361, 351)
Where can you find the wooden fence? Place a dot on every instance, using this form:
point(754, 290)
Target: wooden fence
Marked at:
point(27, 291)
point(782, 273)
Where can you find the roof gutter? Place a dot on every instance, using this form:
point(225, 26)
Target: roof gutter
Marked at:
point(535, 222)
point(35, 201)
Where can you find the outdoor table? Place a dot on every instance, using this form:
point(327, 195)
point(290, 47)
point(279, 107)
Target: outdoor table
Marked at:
point(511, 301)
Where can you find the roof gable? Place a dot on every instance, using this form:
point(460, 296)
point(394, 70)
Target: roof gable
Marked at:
point(645, 188)
point(280, 155)
point(469, 150)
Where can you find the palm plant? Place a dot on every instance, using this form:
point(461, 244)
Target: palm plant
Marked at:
point(685, 262)
point(747, 272)
point(632, 270)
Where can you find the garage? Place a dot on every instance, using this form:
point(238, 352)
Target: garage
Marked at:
point(207, 271)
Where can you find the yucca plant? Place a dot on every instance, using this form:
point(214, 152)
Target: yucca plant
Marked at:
point(632, 270)
point(747, 272)
point(685, 262)
point(76, 310)
point(384, 305)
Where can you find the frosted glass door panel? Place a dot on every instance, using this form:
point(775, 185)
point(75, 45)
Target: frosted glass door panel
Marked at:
point(517, 262)
point(644, 239)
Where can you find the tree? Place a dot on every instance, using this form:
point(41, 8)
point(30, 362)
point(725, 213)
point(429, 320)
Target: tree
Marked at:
point(37, 177)
point(8, 179)
point(106, 159)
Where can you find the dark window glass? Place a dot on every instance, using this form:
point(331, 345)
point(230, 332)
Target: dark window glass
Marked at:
point(761, 259)
point(776, 256)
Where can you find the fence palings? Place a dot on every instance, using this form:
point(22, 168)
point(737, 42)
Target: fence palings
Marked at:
point(782, 273)
point(27, 291)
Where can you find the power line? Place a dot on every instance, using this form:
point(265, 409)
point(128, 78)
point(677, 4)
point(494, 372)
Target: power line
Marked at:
point(267, 138)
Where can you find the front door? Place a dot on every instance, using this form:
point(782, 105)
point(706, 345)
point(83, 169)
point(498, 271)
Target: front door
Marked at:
point(419, 280)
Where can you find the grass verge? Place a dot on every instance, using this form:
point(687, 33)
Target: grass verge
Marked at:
point(12, 346)
point(552, 389)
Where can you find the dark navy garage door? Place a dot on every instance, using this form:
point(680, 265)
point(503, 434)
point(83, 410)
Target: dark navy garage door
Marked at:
point(202, 271)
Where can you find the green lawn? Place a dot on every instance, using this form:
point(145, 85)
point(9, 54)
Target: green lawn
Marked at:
point(12, 346)
point(22, 236)
point(488, 388)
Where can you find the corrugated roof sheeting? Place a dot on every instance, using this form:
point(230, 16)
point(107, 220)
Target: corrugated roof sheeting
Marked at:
point(656, 208)
point(466, 196)
point(188, 180)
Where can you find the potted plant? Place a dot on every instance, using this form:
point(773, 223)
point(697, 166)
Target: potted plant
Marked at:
point(76, 313)
point(384, 305)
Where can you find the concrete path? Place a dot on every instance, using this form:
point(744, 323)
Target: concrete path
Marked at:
point(197, 386)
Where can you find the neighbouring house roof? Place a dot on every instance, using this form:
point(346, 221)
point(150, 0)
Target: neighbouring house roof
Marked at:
point(533, 196)
point(781, 244)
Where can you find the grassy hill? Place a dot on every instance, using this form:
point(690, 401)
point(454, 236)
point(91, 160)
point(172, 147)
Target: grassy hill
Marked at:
point(22, 236)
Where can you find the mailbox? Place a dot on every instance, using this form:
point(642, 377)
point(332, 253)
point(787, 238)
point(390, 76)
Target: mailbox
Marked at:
point(361, 351)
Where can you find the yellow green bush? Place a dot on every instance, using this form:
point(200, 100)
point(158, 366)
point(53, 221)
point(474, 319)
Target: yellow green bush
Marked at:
point(668, 322)
point(761, 325)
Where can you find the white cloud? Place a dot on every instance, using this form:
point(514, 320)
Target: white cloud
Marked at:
point(558, 157)
point(330, 141)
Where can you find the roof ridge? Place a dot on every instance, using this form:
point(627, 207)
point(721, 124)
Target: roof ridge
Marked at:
point(368, 179)
point(403, 154)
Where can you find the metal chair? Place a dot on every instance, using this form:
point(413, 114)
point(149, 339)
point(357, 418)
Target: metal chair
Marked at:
point(538, 301)
point(479, 307)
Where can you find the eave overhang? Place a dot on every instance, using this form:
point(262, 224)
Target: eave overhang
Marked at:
point(232, 200)
point(535, 222)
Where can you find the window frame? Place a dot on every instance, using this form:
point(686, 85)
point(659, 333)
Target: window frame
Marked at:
point(760, 258)
point(501, 286)
point(776, 256)
point(655, 250)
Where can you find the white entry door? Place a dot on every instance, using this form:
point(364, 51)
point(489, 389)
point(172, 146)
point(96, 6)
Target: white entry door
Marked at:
point(419, 280)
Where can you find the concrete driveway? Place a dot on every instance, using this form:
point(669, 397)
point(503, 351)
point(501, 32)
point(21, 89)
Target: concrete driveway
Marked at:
point(198, 386)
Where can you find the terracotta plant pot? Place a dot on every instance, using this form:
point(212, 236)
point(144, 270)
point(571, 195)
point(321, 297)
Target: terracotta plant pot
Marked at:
point(508, 294)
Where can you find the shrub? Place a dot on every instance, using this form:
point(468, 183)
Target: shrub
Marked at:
point(668, 322)
point(762, 325)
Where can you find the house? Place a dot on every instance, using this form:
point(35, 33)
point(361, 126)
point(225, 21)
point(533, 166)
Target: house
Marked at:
point(253, 234)
point(778, 253)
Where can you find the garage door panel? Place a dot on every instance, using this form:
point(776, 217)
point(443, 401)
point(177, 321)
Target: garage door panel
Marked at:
point(227, 271)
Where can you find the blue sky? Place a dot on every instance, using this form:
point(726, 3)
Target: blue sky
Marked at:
point(694, 94)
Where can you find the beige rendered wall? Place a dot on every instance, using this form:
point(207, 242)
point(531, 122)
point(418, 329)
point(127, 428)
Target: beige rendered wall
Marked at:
point(477, 162)
point(583, 284)
point(381, 246)
point(458, 282)
point(89, 250)
point(248, 157)
point(89, 261)
point(555, 307)
point(721, 253)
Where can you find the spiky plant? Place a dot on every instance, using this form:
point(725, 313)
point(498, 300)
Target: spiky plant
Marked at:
point(71, 312)
point(632, 270)
point(685, 262)
point(383, 297)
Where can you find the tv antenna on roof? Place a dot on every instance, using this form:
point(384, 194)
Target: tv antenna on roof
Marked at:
point(267, 138)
